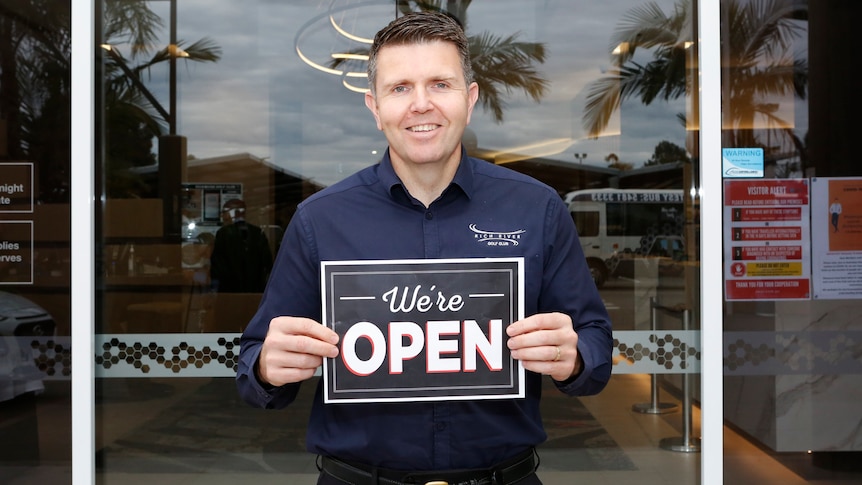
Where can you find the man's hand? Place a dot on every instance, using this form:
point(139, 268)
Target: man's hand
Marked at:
point(293, 349)
point(546, 343)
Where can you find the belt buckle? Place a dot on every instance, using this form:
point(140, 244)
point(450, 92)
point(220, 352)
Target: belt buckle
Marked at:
point(437, 482)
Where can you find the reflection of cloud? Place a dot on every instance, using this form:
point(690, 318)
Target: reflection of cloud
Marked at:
point(262, 99)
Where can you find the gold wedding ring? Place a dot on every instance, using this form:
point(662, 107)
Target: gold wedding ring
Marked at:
point(558, 354)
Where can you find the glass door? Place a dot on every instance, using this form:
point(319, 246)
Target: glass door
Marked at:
point(208, 111)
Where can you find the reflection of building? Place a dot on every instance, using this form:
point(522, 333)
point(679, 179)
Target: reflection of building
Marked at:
point(270, 192)
point(568, 176)
point(167, 290)
point(170, 291)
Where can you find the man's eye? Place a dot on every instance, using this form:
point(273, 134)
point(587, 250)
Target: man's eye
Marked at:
point(399, 89)
point(441, 85)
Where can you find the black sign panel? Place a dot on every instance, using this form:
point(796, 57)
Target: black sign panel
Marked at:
point(422, 330)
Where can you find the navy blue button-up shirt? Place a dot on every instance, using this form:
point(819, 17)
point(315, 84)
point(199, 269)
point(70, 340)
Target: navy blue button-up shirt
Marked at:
point(370, 215)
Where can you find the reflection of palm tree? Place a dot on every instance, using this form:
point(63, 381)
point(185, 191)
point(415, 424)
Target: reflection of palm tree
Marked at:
point(756, 56)
point(645, 26)
point(614, 162)
point(133, 23)
point(500, 64)
point(35, 58)
point(761, 65)
point(133, 115)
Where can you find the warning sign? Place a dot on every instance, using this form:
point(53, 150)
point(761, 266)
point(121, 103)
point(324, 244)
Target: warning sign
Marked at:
point(774, 269)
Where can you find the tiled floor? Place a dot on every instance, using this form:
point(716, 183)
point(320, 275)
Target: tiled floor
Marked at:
point(638, 434)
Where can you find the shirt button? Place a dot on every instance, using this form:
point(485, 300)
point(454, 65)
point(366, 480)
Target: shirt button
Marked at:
point(441, 426)
point(429, 215)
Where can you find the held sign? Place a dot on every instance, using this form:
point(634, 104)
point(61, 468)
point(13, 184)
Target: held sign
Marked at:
point(422, 330)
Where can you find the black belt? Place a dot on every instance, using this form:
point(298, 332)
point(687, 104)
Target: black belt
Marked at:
point(506, 473)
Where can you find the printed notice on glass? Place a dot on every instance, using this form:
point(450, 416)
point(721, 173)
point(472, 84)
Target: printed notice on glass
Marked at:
point(16, 188)
point(836, 239)
point(766, 246)
point(422, 330)
point(16, 233)
point(16, 252)
point(742, 162)
point(202, 202)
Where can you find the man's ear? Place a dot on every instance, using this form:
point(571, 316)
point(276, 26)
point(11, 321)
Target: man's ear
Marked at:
point(472, 97)
point(371, 103)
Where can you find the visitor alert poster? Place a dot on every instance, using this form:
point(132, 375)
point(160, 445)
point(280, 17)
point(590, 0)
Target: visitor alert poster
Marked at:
point(422, 330)
point(767, 239)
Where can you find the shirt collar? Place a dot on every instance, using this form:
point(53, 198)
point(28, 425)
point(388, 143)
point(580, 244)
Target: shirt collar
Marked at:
point(463, 176)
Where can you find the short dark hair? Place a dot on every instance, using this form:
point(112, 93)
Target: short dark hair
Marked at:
point(420, 28)
point(233, 204)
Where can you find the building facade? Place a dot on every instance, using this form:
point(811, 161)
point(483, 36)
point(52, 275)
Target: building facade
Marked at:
point(704, 149)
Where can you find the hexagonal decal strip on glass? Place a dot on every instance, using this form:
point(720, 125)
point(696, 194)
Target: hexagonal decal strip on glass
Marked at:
point(634, 352)
point(166, 355)
point(658, 352)
point(818, 352)
point(216, 355)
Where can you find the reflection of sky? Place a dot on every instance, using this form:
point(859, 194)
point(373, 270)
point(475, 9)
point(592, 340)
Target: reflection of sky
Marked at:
point(262, 99)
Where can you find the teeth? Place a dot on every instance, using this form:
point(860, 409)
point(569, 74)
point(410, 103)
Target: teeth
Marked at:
point(423, 128)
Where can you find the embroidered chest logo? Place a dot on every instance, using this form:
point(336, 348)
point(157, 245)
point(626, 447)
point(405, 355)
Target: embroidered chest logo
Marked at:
point(496, 238)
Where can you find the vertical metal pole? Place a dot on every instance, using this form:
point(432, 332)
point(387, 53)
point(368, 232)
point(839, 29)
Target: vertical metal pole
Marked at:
point(686, 391)
point(654, 406)
point(172, 50)
point(684, 443)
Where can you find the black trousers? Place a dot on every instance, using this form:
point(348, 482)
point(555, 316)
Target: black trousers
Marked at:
point(326, 479)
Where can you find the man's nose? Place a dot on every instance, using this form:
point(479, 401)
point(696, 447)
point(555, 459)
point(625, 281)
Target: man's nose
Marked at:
point(421, 100)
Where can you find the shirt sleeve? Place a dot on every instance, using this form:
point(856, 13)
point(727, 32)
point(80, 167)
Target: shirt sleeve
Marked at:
point(293, 290)
point(568, 287)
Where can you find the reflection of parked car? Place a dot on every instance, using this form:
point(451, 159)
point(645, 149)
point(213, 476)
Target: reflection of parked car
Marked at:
point(671, 253)
point(20, 318)
point(667, 251)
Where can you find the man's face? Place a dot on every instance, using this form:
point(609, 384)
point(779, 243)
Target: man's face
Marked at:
point(422, 103)
point(231, 214)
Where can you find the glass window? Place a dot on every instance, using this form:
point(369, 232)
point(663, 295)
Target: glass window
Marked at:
point(587, 223)
point(35, 234)
point(210, 112)
point(791, 272)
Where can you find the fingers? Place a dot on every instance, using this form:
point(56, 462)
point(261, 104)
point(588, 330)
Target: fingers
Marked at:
point(542, 329)
point(540, 321)
point(302, 335)
point(559, 362)
point(545, 343)
point(293, 349)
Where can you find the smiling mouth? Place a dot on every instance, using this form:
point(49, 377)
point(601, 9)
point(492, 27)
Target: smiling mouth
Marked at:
point(422, 128)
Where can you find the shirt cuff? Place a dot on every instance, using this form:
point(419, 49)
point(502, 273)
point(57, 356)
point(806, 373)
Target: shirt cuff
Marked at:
point(261, 393)
point(572, 384)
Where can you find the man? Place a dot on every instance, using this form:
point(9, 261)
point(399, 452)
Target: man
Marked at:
point(240, 263)
point(241, 259)
point(428, 199)
point(835, 213)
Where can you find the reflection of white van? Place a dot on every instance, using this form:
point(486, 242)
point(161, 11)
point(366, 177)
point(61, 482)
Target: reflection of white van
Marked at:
point(618, 224)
